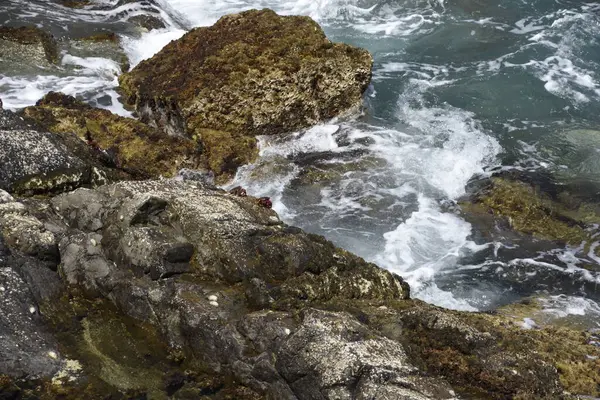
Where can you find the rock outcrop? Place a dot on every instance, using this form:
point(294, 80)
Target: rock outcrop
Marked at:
point(39, 162)
point(175, 288)
point(253, 73)
point(142, 151)
point(534, 205)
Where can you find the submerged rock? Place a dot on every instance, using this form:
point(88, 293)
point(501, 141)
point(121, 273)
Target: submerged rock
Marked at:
point(253, 73)
point(27, 45)
point(147, 22)
point(104, 44)
point(131, 145)
point(528, 210)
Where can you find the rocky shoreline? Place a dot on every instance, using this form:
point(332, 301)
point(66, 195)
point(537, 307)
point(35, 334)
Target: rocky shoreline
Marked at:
point(122, 277)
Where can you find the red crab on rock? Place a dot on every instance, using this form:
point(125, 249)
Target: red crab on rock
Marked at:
point(265, 202)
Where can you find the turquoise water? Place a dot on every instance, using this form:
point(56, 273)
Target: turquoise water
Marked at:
point(461, 89)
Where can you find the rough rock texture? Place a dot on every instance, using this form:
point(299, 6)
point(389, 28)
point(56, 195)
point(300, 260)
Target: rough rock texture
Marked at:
point(26, 45)
point(252, 73)
point(34, 161)
point(533, 205)
point(176, 288)
point(27, 350)
point(147, 22)
point(131, 145)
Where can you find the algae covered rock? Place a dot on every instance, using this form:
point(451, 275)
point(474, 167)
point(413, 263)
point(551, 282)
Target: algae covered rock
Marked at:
point(27, 45)
point(131, 145)
point(177, 289)
point(528, 210)
point(102, 44)
point(37, 162)
point(253, 73)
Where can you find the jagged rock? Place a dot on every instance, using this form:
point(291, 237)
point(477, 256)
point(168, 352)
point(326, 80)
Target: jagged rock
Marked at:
point(177, 288)
point(27, 350)
point(27, 45)
point(38, 162)
point(252, 73)
point(133, 146)
point(333, 356)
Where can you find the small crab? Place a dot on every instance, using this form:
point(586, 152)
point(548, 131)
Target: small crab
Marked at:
point(265, 202)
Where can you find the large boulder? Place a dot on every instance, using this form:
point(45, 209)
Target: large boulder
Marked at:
point(142, 151)
point(253, 73)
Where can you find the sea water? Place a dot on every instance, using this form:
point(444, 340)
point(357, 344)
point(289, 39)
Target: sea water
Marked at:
point(461, 89)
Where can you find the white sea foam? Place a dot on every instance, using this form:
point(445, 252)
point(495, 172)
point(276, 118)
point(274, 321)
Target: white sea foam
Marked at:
point(562, 306)
point(139, 49)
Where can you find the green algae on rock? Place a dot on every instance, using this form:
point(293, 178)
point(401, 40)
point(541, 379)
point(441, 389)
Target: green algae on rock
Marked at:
point(233, 304)
point(253, 73)
point(532, 212)
point(28, 45)
point(103, 44)
point(133, 146)
point(36, 162)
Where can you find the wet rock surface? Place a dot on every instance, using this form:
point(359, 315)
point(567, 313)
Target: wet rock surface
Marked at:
point(128, 144)
point(252, 73)
point(27, 45)
point(173, 288)
point(35, 161)
point(177, 288)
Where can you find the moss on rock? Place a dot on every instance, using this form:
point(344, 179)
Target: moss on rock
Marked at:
point(74, 3)
point(531, 212)
point(135, 147)
point(253, 73)
point(490, 356)
point(225, 152)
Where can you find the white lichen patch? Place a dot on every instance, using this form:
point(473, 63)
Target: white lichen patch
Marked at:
point(68, 373)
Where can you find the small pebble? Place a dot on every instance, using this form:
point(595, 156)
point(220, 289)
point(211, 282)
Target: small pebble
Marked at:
point(287, 331)
point(32, 309)
point(214, 303)
point(93, 242)
point(121, 218)
point(213, 297)
point(57, 208)
point(2, 289)
point(52, 355)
